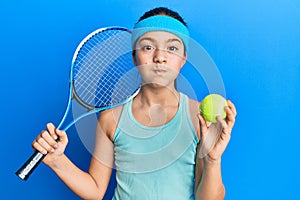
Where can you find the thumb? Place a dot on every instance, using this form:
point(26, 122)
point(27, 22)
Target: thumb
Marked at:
point(201, 119)
point(62, 136)
point(204, 124)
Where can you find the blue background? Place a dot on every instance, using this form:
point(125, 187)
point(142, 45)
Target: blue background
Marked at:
point(255, 44)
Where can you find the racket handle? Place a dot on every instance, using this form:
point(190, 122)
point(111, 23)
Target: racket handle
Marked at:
point(28, 167)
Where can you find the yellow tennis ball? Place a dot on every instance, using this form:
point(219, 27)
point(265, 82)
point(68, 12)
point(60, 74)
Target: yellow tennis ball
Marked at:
point(212, 106)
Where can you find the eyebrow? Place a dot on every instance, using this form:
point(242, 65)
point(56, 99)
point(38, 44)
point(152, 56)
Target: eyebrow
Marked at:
point(174, 40)
point(168, 41)
point(146, 38)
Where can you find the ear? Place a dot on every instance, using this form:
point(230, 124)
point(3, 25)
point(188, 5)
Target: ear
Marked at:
point(184, 59)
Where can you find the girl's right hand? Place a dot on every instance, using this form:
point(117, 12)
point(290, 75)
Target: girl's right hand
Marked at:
point(47, 142)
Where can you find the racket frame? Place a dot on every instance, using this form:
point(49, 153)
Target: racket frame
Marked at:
point(28, 167)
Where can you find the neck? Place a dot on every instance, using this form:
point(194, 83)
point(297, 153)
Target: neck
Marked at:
point(162, 96)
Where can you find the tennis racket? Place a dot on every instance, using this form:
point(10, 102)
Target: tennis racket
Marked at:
point(102, 76)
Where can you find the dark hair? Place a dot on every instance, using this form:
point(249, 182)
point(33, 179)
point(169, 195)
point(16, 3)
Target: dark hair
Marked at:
point(162, 11)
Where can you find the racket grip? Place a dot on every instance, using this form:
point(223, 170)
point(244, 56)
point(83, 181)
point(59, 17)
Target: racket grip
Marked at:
point(28, 167)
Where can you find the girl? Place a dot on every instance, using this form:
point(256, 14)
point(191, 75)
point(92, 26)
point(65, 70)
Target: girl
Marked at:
point(157, 141)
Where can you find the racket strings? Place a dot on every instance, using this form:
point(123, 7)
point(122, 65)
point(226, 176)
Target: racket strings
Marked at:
point(115, 71)
point(103, 72)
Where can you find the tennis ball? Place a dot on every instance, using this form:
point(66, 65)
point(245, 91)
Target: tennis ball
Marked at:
point(212, 106)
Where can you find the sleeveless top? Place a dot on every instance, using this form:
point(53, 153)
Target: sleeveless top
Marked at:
point(155, 163)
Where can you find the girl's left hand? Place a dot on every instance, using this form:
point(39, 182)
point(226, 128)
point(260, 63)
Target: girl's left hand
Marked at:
point(215, 136)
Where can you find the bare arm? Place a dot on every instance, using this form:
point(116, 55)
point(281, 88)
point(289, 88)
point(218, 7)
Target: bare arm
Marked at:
point(209, 183)
point(214, 139)
point(87, 185)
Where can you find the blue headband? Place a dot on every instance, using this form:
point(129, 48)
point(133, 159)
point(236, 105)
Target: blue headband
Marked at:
point(161, 23)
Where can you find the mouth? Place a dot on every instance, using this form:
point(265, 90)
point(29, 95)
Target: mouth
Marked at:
point(159, 71)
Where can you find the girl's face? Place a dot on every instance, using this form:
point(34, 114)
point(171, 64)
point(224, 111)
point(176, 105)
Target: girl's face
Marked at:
point(159, 56)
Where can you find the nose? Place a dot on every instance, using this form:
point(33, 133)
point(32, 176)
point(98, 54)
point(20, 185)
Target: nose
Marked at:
point(160, 56)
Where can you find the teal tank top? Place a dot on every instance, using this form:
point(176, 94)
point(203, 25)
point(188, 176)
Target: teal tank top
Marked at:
point(155, 163)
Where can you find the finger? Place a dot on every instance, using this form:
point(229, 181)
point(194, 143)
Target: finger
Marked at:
point(203, 121)
point(230, 116)
point(49, 139)
point(43, 143)
point(51, 129)
point(225, 134)
point(203, 124)
point(62, 135)
point(39, 148)
point(223, 124)
point(232, 107)
point(208, 124)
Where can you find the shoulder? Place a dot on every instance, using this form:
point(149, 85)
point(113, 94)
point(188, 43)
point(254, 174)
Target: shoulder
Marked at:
point(108, 120)
point(194, 104)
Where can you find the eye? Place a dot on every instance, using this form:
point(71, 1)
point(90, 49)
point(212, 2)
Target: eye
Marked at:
point(147, 48)
point(172, 48)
